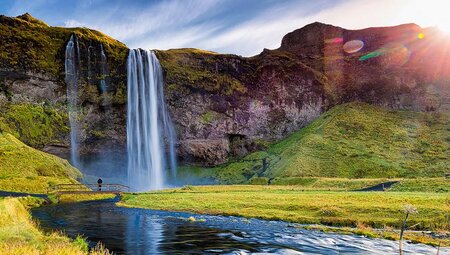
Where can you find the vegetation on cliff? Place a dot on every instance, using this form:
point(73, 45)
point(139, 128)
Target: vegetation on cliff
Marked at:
point(355, 140)
point(24, 169)
point(197, 70)
point(35, 125)
point(29, 44)
point(32, 57)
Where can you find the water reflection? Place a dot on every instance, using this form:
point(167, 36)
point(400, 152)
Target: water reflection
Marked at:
point(138, 231)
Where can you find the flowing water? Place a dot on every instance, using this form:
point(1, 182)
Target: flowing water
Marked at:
point(149, 127)
point(71, 78)
point(103, 70)
point(140, 231)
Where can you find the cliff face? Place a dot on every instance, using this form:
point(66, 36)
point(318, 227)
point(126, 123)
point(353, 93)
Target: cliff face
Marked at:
point(229, 105)
point(225, 105)
point(32, 77)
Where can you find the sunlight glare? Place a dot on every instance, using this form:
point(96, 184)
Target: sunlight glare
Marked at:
point(430, 13)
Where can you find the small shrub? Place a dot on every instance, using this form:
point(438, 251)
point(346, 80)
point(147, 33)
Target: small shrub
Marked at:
point(187, 187)
point(81, 243)
point(330, 211)
point(259, 181)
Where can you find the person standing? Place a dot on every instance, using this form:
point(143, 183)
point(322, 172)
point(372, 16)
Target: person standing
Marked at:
point(99, 183)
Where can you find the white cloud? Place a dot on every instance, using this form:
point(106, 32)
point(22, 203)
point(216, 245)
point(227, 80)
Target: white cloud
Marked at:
point(73, 23)
point(128, 24)
point(267, 29)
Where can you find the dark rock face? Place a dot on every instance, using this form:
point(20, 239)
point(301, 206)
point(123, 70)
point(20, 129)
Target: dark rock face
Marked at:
point(218, 97)
point(226, 105)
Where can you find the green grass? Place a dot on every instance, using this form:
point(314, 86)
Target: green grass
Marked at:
point(35, 125)
point(355, 140)
point(290, 203)
point(440, 185)
point(74, 198)
point(25, 169)
point(19, 235)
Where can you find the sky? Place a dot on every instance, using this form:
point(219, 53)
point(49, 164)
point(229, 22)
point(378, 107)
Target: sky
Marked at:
point(243, 27)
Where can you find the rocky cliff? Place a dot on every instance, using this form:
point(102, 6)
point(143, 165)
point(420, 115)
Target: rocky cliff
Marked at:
point(33, 91)
point(223, 106)
point(226, 105)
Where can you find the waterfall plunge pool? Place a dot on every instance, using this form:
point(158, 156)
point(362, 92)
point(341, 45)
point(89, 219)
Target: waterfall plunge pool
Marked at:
point(141, 231)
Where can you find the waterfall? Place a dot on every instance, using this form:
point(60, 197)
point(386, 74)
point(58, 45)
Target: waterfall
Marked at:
point(103, 70)
point(89, 75)
point(71, 79)
point(149, 126)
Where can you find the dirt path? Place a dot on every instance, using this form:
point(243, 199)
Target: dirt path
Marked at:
point(379, 187)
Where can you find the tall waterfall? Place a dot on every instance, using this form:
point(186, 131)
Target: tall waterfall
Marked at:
point(149, 126)
point(71, 79)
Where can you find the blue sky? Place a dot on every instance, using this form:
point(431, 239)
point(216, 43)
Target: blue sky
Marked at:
point(242, 27)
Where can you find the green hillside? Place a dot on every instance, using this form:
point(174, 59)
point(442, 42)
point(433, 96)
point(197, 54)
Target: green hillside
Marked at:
point(355, 140)
point(25, 169)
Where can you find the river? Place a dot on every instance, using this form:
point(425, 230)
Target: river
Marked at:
point(140, 231)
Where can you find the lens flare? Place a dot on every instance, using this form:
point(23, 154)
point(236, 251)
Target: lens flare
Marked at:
point(353, 46)
point(420, 36)
point(335, 40)
point(372, 54)
point(390, 55)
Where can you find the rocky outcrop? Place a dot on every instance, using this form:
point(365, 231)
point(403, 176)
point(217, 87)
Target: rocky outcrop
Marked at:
point(219, 97)
point(225, 105)
point(268, 96)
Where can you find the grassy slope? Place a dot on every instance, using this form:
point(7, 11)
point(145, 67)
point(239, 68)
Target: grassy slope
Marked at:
point(356, 140)
point(373, 209)
point(20, 235)
point(25, 169)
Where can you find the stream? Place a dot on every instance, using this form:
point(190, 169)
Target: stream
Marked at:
point(141, 231)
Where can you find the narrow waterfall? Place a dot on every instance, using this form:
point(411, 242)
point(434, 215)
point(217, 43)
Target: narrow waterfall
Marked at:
point(149, 127)
point(71, 79)
point(103, 70)
point(89, 74)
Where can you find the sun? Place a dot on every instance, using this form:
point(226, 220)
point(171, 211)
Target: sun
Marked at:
point(431, 13)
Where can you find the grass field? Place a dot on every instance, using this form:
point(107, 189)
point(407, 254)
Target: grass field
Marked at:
point(354, 140)
point(25, 169)
point(19, 235)
point(74, 198)
point(290, 203)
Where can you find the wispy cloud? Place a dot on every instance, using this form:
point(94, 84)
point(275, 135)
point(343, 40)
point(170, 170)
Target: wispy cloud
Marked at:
point(228, 26)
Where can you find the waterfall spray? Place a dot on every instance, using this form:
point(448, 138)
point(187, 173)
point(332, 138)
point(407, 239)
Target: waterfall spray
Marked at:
point(148, 123)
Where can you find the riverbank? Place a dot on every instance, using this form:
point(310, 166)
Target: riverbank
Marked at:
point(359, 212)
point(19, 234)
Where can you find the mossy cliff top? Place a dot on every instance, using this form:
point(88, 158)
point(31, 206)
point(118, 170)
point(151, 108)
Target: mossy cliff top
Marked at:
point(190, 70)
point(201, 70)
point(28, 44)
